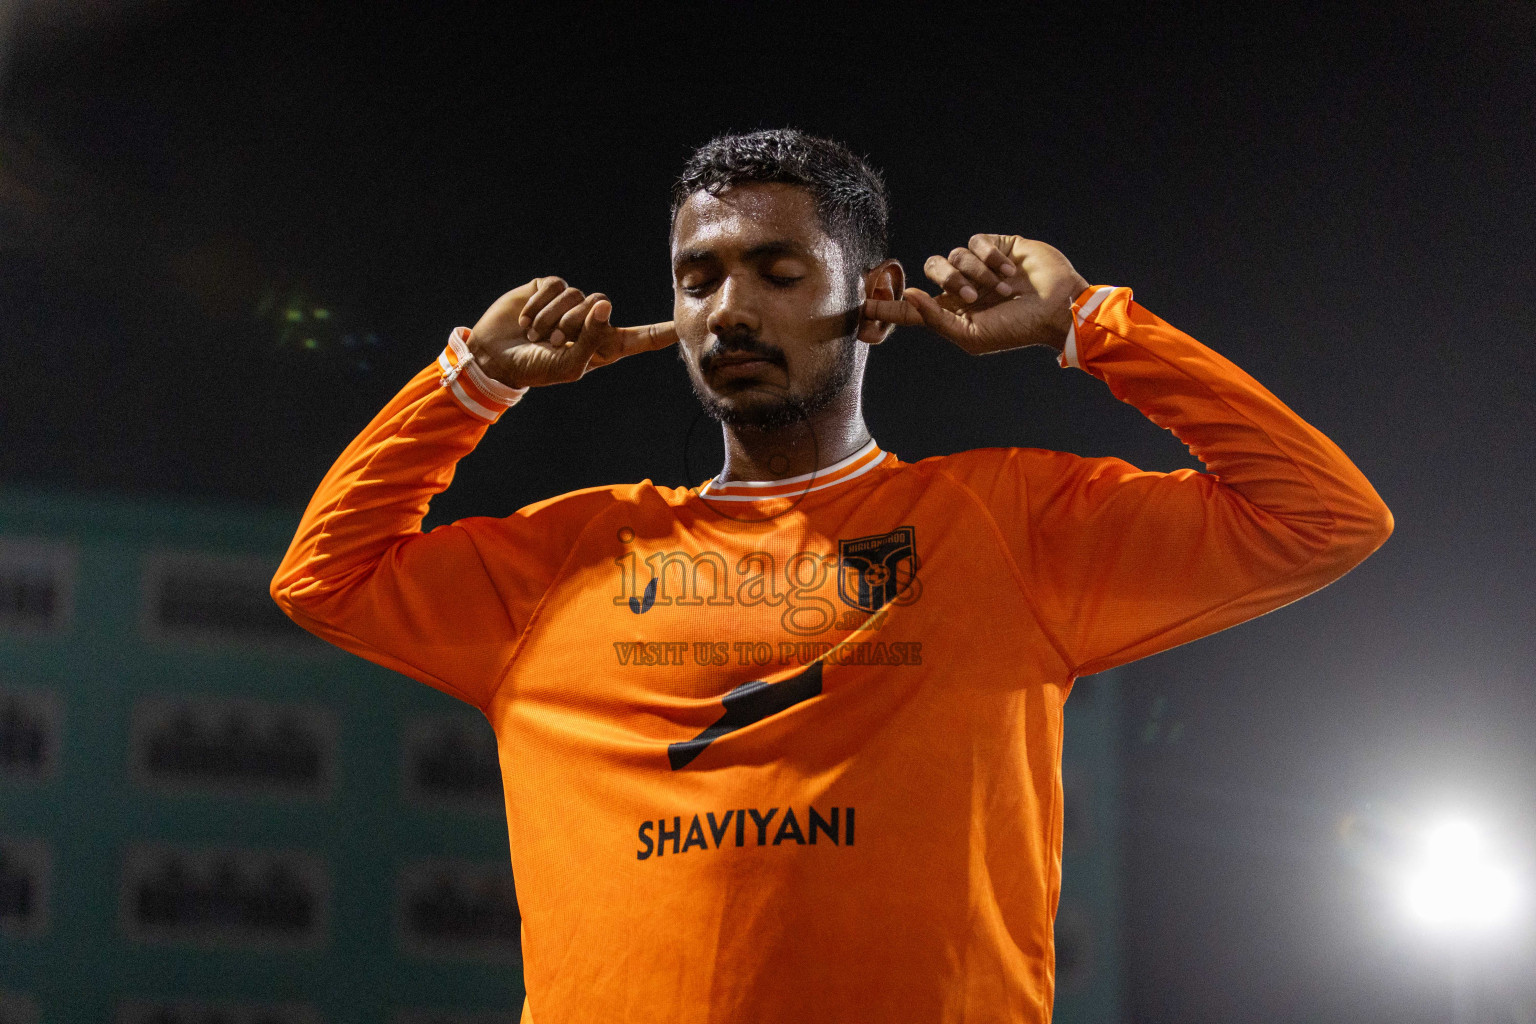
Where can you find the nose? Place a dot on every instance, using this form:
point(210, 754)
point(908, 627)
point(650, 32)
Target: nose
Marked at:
point(733, 308)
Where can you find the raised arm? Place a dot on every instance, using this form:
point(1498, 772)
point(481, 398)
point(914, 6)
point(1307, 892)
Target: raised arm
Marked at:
point(362, 575)
point(1119, 563)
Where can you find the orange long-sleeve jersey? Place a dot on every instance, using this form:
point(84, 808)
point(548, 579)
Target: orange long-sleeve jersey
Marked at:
point(792, 751)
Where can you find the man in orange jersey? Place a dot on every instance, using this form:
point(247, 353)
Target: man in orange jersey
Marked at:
point(786, 746)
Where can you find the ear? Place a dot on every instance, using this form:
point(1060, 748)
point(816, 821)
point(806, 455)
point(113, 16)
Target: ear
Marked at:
point(886, 282)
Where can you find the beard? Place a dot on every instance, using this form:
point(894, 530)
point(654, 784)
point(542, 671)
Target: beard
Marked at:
point(784, 408)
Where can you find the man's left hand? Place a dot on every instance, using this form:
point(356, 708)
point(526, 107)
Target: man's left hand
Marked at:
point(999, 292)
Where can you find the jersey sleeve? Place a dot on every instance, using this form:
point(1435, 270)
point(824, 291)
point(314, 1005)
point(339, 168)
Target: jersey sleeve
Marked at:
point(1120, 563)
point(362, 575)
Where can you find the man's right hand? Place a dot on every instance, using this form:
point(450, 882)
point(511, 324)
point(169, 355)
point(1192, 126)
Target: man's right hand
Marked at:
point(546, 332)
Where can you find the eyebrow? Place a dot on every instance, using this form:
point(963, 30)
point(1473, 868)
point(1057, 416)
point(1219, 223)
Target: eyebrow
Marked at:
point(768, 250)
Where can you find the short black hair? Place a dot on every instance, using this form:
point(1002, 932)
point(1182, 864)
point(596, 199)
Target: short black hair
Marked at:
point(851, 202)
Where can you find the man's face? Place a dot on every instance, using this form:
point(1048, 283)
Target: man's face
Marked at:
point(765, 305)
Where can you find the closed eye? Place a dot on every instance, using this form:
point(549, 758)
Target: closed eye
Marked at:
point(776, 280)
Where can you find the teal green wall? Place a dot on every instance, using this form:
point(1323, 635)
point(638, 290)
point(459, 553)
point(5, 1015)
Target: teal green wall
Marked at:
point(90, 810)
point(1091, 890)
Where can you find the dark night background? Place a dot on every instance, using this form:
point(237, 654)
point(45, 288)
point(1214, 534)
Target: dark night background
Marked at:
point(1341, 201)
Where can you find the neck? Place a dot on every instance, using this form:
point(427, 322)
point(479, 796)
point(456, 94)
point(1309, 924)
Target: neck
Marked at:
point(824, 439)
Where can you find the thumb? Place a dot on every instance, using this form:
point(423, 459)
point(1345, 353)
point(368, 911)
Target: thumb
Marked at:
point(627, 341)
point(646, 338)
point(937, 319)
point(892, 311)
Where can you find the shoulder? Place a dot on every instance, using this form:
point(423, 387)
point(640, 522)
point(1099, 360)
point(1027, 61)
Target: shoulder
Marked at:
point(1014, 480)
point(981, 465)
point(568, 515)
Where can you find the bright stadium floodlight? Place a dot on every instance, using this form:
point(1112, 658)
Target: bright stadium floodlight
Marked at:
point(1457, 884)
point(1456, 888)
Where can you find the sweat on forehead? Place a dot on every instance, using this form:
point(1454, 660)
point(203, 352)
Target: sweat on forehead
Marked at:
point(752, 221)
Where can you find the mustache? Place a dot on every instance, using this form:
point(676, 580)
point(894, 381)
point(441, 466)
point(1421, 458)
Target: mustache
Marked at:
point(739, 343)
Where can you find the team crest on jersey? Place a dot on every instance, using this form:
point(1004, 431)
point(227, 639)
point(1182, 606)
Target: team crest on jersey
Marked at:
point(873, 571)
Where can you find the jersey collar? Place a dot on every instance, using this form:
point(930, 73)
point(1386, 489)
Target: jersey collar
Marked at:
point(854, 466)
